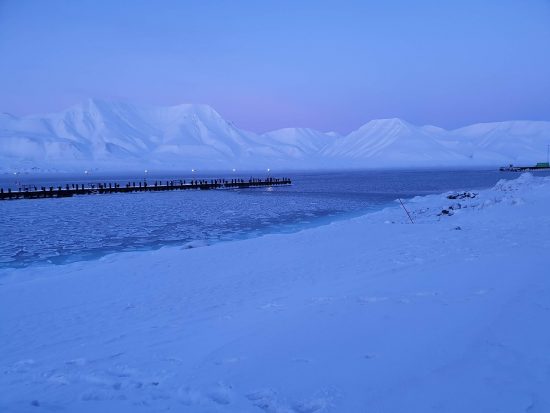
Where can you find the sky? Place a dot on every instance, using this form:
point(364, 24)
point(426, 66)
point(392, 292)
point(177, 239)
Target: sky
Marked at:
point(264, 65)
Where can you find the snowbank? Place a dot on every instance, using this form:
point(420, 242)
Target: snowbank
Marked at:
point(372, 314)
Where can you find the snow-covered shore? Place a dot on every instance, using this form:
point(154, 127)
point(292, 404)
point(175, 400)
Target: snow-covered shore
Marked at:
point(374, 314)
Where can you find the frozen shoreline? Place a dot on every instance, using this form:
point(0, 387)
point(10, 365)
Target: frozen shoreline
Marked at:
point(282, 229)
point(371, 313)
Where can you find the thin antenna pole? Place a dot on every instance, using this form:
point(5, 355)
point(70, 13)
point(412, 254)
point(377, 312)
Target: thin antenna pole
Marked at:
point(409, 215)
point(548, 154)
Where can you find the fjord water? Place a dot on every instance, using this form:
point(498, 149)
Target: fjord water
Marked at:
point(64, 230)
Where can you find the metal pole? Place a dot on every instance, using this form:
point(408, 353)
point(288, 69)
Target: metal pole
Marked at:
point(409, 215)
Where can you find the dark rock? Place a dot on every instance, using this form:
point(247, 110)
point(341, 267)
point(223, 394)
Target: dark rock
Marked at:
point(462, 195)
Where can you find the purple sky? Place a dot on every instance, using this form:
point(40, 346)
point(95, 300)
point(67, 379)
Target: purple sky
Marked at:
point(330, 65)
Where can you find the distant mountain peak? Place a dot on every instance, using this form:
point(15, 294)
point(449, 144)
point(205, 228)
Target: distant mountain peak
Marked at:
point(199, 109)
point(98, 104)
point(377, 127)
point(116, 135)
point(334, 134)
point(390, 122)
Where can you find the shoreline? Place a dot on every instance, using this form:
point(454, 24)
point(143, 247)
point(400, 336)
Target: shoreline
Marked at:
point(278, 228)
point(282, 229)
point(372, 312)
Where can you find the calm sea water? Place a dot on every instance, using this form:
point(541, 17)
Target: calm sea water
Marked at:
point(58, 231)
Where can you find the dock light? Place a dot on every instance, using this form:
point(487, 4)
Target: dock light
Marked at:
point(268, 169)
point(146, 171)
point(234, 170)
point(85, 172)
point(192, 170)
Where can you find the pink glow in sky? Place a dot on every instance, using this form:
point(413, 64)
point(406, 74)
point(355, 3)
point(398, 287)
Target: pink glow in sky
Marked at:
point(329, 65)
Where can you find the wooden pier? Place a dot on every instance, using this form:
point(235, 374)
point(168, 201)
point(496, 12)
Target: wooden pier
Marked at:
point(69, 190)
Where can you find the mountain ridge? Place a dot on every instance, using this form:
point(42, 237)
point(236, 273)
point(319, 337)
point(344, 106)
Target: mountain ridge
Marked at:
point(119, 135)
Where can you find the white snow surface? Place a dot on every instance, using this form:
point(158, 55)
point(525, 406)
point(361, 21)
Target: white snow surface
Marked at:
point(114, 135)
point(376, 314)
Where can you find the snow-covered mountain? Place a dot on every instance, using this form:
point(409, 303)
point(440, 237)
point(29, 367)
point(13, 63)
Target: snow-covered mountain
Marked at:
point(120, 134)
point(300, 142)
point(508, 142)
point(112, 135)
point(393, 142)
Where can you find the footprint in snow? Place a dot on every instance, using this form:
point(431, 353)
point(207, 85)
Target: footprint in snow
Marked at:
point(59, 379)
point(101, 395)
point(272, 307)
point(221, 394)
point(370, 300)
point(189, 396)
point(228, 360)
point(268, 401)
point(426, 293)
point(310, 406)
point(323, 300)
point(23, 366)
point(76, 362)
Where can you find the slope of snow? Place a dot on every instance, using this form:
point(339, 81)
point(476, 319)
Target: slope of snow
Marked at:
point(513, 141)
point(372, 314)
point(393, 142)
point(107, 132)
point(112, 135)
point(304, 141)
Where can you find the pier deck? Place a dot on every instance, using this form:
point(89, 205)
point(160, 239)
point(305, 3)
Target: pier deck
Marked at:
point(69, 190)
